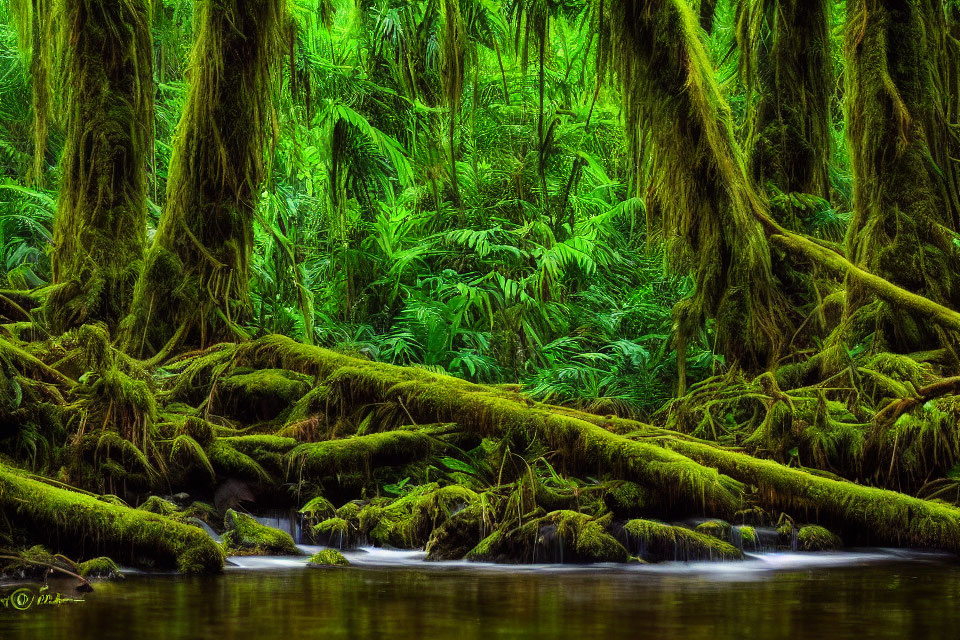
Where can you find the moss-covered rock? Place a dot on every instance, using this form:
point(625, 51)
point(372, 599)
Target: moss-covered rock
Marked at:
point(460, 533)
point(243, 535)
point(407, 522)
point(817, 538)
point(558, 537)
point(101, 568)
point(328, 558)
point(718, 529)
point(336, 532)
point(748, 537)
point(626, 499)
point(659, 542)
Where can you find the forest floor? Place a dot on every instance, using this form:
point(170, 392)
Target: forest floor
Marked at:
point(134, 461)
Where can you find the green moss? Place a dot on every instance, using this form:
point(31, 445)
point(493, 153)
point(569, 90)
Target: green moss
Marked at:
point(328, 558)
point(102, 568)
point(229, 462)
point(201, 511)
point(260, 395)
point(137, 538)
point(100, 225)
point(464, 530)
point(561, 536)
point(658, 542)
point(817, 538)
point(318, 508)
point(158, 505)
point(626, 499)
point(267, 453)
point(407, 522)
point(715, 528)
point(748, 537)
point(200, 430)
point(336, 532)
point(361, 453)
point(349, 511)
point(245, 536)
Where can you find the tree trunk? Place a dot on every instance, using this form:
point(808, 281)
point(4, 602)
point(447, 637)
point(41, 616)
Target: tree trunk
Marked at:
point(904, 207)
point(701, 185)
point(785, 53)
point(100, 225)
point(195, 285)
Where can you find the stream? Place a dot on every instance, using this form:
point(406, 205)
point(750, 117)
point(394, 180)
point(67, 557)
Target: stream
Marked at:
point(873, 593)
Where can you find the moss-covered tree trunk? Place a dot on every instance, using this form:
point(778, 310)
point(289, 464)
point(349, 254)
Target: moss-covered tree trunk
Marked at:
point(785, 54)
point(710, 209)
point(34, 21)
point(100, 225)
point(787, 69)
point(195, 284)
point(904, 208)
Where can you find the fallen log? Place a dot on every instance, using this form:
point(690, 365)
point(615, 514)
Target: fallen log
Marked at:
point(700, 474)
point(83, 525)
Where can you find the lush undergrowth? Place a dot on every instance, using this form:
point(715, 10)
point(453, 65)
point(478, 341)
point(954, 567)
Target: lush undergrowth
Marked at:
point(505, 280)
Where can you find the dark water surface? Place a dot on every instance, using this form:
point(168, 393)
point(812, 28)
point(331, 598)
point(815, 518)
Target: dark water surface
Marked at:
point(823, 596)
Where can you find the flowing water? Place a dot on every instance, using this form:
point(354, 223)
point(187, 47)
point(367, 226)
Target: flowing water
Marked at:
point(390, 594)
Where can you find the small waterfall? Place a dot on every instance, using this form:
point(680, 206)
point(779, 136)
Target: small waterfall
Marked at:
point(763, 540)
point(548, 548)
point(203, 525)
point(288, 521)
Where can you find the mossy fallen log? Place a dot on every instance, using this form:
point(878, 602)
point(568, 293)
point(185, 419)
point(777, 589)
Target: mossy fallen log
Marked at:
point(697, 474)
point(84, 524)
point(877, 515)
point(434, 398)
point(359, 453)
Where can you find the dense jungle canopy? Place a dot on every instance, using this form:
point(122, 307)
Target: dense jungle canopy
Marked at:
point(454, 273)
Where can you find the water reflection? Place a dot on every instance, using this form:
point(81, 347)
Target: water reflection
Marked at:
point(870, 598)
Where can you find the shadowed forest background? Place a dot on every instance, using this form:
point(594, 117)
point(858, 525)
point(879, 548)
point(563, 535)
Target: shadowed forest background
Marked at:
point(633, 259)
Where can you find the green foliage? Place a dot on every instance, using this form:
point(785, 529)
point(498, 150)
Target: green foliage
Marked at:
point(458, 248)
